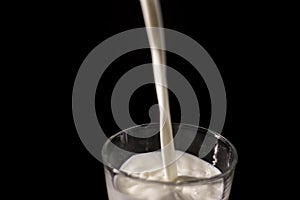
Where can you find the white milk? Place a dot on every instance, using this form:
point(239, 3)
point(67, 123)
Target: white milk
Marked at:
point(152, 17)
point(168, 164)
point(149, 166)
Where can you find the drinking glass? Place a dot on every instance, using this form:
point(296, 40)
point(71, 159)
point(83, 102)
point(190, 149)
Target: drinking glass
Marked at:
point(203, 143)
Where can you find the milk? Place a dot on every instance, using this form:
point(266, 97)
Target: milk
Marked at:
point(166, 165)
point(149, 166)
point(152, 17)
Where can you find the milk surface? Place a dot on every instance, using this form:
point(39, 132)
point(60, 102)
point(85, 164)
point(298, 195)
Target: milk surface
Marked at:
point(149, 166)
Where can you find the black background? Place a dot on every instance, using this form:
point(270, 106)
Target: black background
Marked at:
point(237, 37)
point(224, 36)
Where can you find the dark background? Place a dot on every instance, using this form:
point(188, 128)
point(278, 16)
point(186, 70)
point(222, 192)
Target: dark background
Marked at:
point(224, 36)
point(237, 37)
point(220, 36)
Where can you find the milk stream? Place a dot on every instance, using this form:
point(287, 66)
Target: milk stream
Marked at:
point(152, 17)
point(166, 165)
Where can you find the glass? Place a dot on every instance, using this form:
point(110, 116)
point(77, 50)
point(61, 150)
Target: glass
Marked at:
point(187, 138)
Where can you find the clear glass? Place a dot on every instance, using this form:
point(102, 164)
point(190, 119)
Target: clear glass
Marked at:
point(187, 138)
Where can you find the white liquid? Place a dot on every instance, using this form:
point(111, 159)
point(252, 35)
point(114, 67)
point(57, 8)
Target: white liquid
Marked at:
point(152, 17)
point(149, 166)
point(168, 164)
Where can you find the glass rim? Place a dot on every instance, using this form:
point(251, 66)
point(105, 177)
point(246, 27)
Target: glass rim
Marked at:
point(195, 180)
